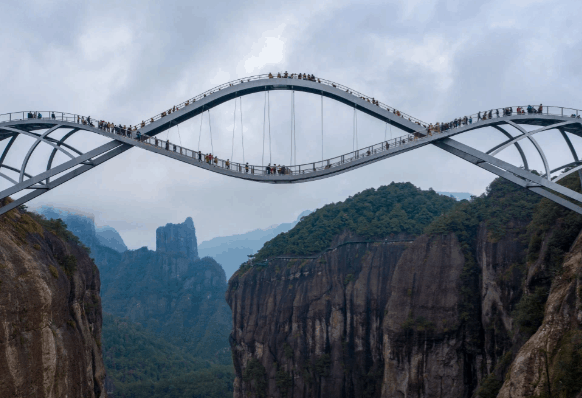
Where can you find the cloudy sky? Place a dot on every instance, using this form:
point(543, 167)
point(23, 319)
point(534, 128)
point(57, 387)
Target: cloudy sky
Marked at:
point(127, 61)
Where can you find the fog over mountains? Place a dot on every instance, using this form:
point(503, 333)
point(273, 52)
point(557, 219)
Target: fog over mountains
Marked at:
point(232, 251)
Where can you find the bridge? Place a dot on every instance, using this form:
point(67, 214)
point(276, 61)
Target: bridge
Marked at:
point(415, 133)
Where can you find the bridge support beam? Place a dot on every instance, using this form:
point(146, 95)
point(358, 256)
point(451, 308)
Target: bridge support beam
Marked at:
point(521, 177)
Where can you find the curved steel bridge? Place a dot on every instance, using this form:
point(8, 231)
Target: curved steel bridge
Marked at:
point(144, 135)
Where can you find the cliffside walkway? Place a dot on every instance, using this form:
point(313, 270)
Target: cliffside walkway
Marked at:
point(40, 126)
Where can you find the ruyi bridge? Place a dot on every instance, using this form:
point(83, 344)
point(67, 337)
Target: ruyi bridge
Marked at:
point(415, 133)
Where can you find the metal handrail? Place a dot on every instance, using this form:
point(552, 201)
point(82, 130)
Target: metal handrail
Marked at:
point(504, 112)
point(301, 169)
point(281, 75)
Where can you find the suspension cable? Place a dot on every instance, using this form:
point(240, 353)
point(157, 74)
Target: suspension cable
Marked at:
point(269, 114)
point(179, 137)
point(200, 135)
point(210, 127)
point(264, 119)
point(357, 143)
point(294, 130)
point(291, 132)
point(355, 130)
point(322, 127)
point(242, 131)
point(233, 127)
point(385, 131)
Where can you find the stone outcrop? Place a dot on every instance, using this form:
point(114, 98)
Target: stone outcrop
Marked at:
point(178, 239)
point(50, 312)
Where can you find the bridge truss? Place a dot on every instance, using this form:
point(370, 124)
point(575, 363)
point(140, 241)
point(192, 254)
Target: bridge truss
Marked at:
point(416, 135)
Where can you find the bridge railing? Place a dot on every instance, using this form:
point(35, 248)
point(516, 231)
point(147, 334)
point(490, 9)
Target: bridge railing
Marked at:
point(517, 110)
point(277, 170)
point(284, 76)
point(41, 115)
point(306, 168)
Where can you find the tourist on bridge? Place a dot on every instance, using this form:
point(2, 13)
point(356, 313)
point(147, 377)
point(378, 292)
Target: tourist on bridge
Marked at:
point(216, 160)
point(478, 116)
point(268, 168)
point(53, 116)
point(227, 164)
point(247, 167)
point(540, 109)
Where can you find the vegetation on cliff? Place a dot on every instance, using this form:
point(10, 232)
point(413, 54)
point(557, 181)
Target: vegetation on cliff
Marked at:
point(398, 208)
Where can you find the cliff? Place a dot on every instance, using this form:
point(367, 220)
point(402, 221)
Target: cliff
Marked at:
point(50, 341)
point(458, 311)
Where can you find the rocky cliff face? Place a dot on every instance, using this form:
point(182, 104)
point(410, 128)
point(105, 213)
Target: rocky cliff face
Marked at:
point(50, 339)
point(363, 320)
point(450, 314)
point(178, 240)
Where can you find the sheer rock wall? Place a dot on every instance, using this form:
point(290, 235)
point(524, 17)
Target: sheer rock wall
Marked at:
point(363, 320)
point(50, 312)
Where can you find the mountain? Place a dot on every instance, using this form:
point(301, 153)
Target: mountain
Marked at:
point(83, 226)
point(232, 251)
point(109, 237)
point(399, 292)
point(173, 293)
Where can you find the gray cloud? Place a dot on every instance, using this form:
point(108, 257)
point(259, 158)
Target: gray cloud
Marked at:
point(126, 61)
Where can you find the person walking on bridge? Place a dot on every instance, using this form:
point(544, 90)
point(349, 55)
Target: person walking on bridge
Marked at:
point(227, 164)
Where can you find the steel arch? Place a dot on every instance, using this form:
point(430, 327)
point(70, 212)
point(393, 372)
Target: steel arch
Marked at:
point(418, 136)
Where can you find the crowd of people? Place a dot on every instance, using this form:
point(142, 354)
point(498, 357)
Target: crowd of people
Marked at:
point(486, 115)
point(209, 158)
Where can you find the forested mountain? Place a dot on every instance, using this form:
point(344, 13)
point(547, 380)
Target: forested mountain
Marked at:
point(395, 209)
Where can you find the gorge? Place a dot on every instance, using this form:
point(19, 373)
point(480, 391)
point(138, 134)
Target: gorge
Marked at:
point(395, 292)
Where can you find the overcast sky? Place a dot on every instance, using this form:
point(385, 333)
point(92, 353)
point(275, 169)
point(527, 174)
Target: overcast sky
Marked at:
point(127, 61)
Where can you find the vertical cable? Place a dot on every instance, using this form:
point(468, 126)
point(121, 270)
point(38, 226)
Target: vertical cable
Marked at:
point(385, 131)
point(210, 127)
point(322, 128)
point(269, 115)
point(200, 135)
point(242, 131)
point(294, 130)
point(357, 144)
point(291, 132)
point(233, 127)
point(264, 119)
